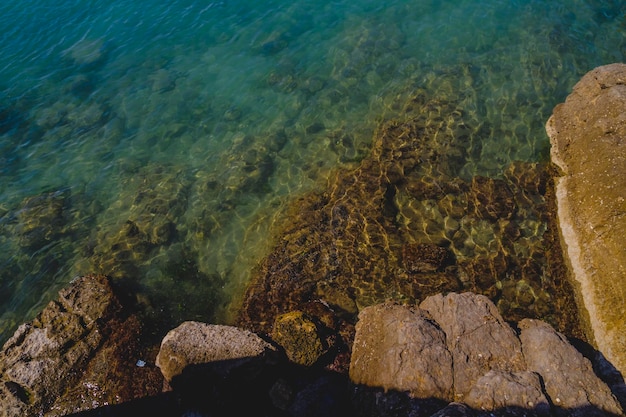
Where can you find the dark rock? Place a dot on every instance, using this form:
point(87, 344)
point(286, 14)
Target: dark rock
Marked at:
point(568, 377)
point(423, 257)
point(477, 336)
point(113, 375)
point(299, 337)
point(455, 410)
point(399, 348)
point(325, 396)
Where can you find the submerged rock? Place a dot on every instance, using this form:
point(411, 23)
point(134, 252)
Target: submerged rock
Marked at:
point(587, 134)
point(403, 225)
point(87, 53)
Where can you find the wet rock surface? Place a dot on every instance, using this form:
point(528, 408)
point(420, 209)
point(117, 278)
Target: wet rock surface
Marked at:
point(72, 356)
point(587, 136)
point(299, 337)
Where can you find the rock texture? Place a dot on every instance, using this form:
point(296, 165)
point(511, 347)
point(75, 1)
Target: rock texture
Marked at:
point(195, 343)
point(588, 138)
point(477, 337)
point(568, 377)
point(299, 337)
point(42, 366)
point(400, 348)
point(458, 348)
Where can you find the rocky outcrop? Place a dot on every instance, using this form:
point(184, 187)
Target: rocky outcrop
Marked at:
point(588, 138)
point(458, 348)
point(46, 366)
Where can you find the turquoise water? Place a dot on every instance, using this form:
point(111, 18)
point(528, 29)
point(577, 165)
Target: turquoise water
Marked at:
point(157, 142)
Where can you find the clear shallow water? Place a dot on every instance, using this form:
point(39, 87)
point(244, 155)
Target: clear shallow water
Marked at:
point(158, 142)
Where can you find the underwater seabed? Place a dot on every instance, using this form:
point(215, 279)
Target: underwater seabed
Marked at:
point(180, 170)
point(404, 225)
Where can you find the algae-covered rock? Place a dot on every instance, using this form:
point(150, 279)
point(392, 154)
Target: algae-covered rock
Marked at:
point(41, 219)
point(423, 257)
point(406, 223)
point(299, 336)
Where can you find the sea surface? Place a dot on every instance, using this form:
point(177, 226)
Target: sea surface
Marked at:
point(157, 142)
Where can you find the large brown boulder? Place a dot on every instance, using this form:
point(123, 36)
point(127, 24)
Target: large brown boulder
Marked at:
point(458, 348)
point(588, 138)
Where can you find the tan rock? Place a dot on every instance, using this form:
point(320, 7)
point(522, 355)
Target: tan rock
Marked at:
point(224, 347)
point(498, 390)
point(568, 376)
point(588, 138)
point(399, 348)
point(476, 335)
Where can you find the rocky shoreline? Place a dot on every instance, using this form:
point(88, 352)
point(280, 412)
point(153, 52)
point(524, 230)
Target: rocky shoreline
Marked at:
point(452, 355)
point(316, 335)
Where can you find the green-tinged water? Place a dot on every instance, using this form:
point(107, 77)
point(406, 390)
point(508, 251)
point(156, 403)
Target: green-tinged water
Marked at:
point(156, 142)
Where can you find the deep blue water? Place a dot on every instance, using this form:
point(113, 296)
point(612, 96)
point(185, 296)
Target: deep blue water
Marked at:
point(197, 121)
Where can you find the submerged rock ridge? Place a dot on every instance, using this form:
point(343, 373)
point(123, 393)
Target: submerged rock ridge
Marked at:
point(588, 138)
point(405, 224)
